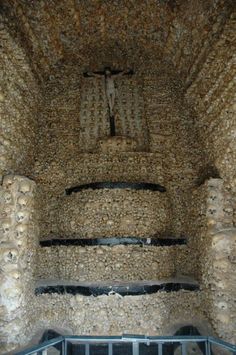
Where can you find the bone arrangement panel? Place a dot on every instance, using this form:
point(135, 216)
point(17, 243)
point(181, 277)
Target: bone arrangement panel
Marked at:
point(94, 118)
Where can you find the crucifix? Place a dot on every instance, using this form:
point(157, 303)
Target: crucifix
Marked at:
point(110, 90)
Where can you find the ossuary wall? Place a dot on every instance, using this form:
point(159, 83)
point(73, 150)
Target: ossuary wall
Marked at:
point(19, 242)
point(212, 94)
point(176, 112)
point(170, 159)
point(20, 100)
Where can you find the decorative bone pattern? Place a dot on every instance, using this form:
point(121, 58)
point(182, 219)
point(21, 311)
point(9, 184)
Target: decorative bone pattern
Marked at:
point(129, 112)
point(18, 242)
point(218, 263)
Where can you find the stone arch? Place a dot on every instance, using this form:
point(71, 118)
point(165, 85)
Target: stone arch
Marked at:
point(190, 327)
point(201, 325)
point(209, 171)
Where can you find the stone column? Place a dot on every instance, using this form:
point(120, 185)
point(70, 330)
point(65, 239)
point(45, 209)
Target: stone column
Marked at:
point(218, 264)
point(18, 242)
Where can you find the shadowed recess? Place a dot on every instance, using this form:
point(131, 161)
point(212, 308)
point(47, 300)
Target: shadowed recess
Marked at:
point(114, 241)
point(131, 289)
point(116, 185)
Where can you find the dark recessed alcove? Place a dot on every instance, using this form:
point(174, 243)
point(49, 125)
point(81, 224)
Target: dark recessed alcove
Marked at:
point(187, 330)
point(207, 173)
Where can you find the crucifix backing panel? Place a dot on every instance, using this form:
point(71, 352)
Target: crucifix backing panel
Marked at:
point(128, 112)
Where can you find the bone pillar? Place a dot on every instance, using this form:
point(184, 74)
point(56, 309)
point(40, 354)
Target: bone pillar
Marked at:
point(219, 268)
point(18, 241)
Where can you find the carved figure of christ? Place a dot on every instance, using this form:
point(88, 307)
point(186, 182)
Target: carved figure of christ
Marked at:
point(110, 90)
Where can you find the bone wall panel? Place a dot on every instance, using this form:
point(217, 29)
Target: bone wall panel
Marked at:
point(128, 111)
point(218, 262)
point(122, 262)
point(18, 243)
point(20, 101)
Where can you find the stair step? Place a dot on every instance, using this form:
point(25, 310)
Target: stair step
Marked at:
point(115, 287)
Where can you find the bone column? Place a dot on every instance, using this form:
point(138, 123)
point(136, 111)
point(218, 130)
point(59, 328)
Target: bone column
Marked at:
point(19, 237)
point(219, 268)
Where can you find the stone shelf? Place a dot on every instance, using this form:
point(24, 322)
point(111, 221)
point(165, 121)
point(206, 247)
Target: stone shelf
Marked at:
point(121, 288)
point(116, 185)
point(113, 241)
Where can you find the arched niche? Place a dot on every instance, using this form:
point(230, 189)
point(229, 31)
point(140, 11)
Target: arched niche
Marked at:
point(48, 333)
point(190, 327)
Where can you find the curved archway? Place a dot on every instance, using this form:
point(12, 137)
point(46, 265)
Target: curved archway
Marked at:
point(202, 325)
point(188, 328)
point(209, 171)
point(48, 333)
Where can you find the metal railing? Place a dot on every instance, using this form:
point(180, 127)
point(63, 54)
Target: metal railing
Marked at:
point(165, 345)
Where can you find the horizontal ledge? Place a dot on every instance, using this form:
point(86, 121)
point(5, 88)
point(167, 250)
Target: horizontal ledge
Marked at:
point(125, 289)
point(114, 241)
point(116, 185)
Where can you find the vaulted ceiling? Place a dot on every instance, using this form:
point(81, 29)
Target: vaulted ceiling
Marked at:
point(128, 33)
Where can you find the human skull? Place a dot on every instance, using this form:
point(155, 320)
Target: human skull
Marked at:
point(7, 197)
point(21, 230)
point(222, 284)
point(25, 187)
point(8, 181)
point(6, 225)
point(222, 305)
point(23, 200)
point(10, 255)
point(15, 274)
point(23, 217)
point(21, 242)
